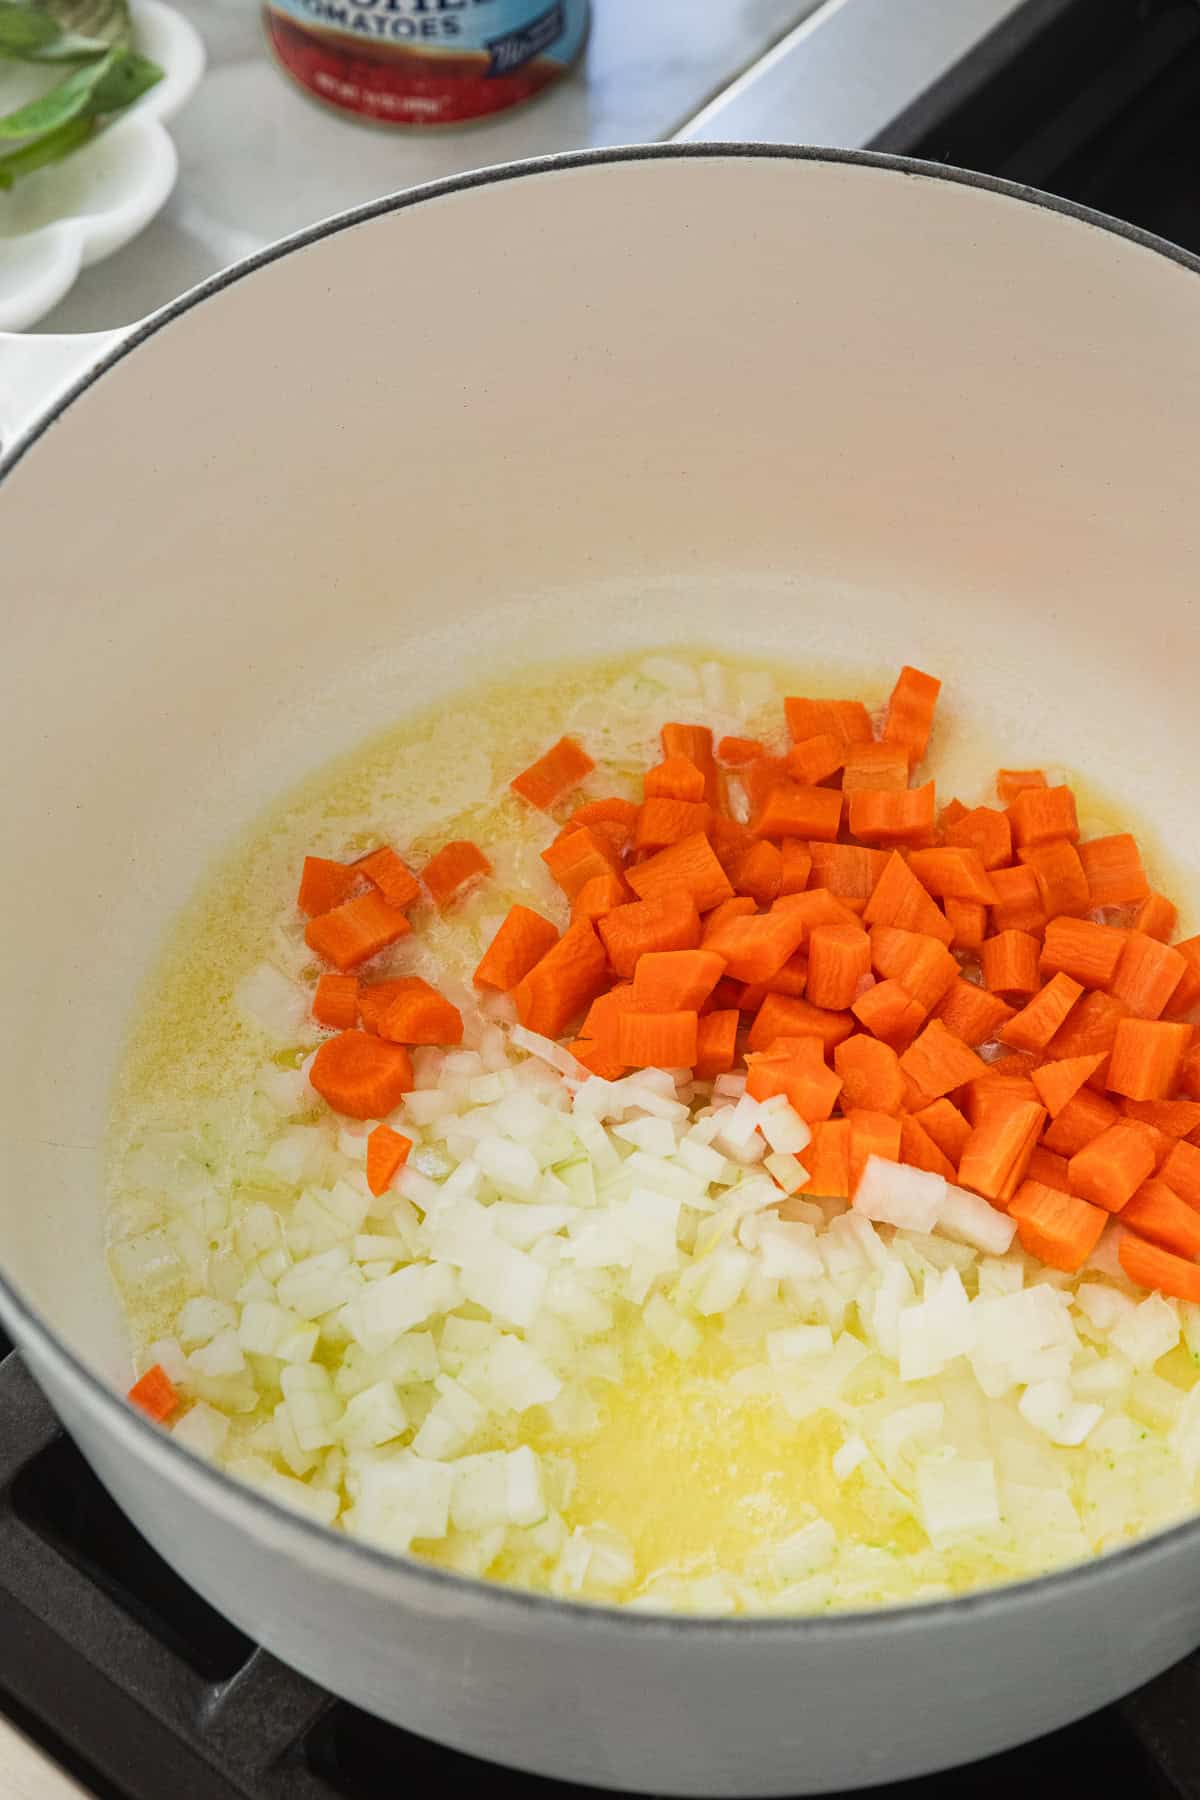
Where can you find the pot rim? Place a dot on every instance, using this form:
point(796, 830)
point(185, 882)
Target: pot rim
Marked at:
point(353, 1559)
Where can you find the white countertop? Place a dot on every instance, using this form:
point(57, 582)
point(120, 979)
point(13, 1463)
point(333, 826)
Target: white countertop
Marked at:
point(258, 159)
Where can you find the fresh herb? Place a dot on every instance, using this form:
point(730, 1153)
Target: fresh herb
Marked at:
point(92, 37)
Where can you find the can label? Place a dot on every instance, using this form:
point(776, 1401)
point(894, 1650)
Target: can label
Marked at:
point(426, 61)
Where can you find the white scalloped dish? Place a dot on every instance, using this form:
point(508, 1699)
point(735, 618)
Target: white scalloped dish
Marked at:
point(60, 219)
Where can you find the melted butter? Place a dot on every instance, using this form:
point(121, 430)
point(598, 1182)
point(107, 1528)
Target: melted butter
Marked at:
point(694, 1474)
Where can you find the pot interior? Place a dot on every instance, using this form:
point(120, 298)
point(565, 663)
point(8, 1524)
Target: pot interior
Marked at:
point(828, 410)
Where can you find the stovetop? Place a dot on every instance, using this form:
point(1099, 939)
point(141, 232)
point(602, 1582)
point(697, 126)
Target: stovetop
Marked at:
point(137, 1687)
point(107, 1659)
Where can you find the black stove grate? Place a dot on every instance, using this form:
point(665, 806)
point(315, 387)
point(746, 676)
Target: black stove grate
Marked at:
point(138, 1688)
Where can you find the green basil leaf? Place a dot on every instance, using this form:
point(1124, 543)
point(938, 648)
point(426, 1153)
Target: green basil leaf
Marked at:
point(48, 149)
point(24, 30)
point(62, 31)
point(121, 81)
point(107, 86)
point(63, 102)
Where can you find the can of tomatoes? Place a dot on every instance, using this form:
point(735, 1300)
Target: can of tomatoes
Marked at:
point(425, 62)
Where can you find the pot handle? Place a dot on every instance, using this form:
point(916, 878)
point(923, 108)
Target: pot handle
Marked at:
point(35, 371)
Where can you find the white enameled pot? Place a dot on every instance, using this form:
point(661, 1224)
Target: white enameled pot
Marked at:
point(827, 405)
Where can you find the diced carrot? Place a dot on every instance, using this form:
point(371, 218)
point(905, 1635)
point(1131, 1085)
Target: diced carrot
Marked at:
point(803, 812)
point(909, 718)
point(850, 871)
point(418, 1014)
point(1040, 814)
point(324, 884)
point(1062, 884)
point(938, 1061)
point(658, 1040)
point(360, 1075)
point(597, 1045)
point(838, 957)
point(998, 1092)
point(566, 979)
point(889, 1013)
point(870, 1071)
point(1149, 1266)
point(795, 866)
point(922, 965)
point(982, 828)
point(754, 948)
point(387, 1153)
point(562, 767)
point(871, 1134)
point(815, 906)
point(827, 1160)
point(668, 981)
point(816, 759)
point(1156, 1213)
point(1082, 1119)
point(450, 870)
point(522, 940)
point(781, 1017)
point(1010, 963)
point(848, 720)
point(1018, 904)
point(675, 778)
point(1058, 1082)
point(874, 766)
point(356, 930)
point(662, 822)
point(1034, 1026)
point(1011, 782)
point(375, 997)
point(899, 899)
point(716, 1043)
point(335, 1002)
point(1114, 872)
point(1189, 1073)
point(1181, 1172)
point(947, 1127)
point(155, 1394)
point(791, 979)
point(1086, 951)
point(1146, 1058)
point(600, 896)
point(577, 857)
point(729, 839)
point(695, 744)
point(760, 779)
point(613, 811)
point(667, 922)
point(738, 750)
point(954, 872)
point(996, 1154)
point(742, 906)
point(687, 867)
point(391, 875)
point(1177, 1118)
point(800, 1074)
point(1157, 917)
point(1187, 994)
point(1090, 1027)
point(1147, 975)
point(952, 812)
point(1057, 1228)
point(1051, 1170)
point(758, 872)
point(918, 1149)
point(892, 816)
point(1111, 1168)
point(971, 1013)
